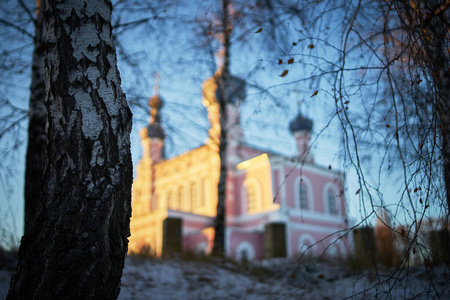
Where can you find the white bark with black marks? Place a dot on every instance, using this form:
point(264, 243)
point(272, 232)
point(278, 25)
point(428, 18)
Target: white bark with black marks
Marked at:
point(78, 242)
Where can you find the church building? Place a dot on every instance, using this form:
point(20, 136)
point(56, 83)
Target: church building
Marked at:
point(275, 205)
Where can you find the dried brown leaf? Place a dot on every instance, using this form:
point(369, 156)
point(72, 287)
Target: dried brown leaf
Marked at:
point(285, 72)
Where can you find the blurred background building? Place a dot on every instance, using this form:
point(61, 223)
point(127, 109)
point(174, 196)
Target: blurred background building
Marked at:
point(275, 205)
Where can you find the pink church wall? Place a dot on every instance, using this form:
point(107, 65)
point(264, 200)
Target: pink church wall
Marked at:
point(318, 183)
point(241, 226)
point(312, 220)
point(234, 207)
point(276, 185)
point(246, 152)
point(316, 180)
point(196, 224)
point(289, 189)
point(197, 234)
point(193, 242)
point(309, 238)
point(317, 228)
point(256, 239)
point(319, 241)
point(342, 198)
point(256, 222)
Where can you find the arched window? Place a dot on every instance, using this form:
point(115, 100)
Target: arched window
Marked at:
point(336, 248)
point(254, 195)
point(245, 251)
point(170, 200)
point(154, 201)
point(252, 201)
point(202, 193)
point(306, 245)
point(331, 201)
point(194, 195)
point(180, 199)
point(303, 196)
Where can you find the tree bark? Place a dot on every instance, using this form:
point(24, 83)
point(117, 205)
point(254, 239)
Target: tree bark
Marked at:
point(222, 90)
point(219, 221)
point(37, 140)
point(77, 244)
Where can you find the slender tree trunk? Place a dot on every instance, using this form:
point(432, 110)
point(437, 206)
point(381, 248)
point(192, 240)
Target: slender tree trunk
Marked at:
point(443, 86)
point(428, 23)
point(222, 94)
point(37, 140)
point(78, 242)
point(439, 62)
point(219, 221)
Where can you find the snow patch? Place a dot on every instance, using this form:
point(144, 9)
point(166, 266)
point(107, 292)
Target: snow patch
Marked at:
point(269, 279)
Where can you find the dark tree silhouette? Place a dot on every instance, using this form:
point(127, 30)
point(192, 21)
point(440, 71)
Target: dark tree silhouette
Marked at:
point(223, 82)
point(37, 139)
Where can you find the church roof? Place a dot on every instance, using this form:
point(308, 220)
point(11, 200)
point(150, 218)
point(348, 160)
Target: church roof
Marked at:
point(235, 90)
point(155, 131)
point(301, 123)
point(155, 103)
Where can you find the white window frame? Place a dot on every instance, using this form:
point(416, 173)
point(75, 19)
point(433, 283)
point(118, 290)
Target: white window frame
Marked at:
point(332, 188)
point(309, 192)
point(258, 195)
point(308, 240)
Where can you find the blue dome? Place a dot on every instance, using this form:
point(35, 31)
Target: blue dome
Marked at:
point(301, 123)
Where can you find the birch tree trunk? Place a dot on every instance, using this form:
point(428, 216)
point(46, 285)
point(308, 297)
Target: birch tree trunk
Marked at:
point(76, 247)
point(37, 140)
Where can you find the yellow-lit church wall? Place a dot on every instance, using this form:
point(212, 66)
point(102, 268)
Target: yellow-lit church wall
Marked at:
point(258, 184)
point(187, 182)
point(146, 231)
point(184, 183)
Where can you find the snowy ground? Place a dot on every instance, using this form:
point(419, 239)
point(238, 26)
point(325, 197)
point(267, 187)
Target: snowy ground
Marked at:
point(274, 279)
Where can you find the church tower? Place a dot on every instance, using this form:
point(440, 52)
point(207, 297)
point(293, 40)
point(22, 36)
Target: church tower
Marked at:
point(152, 137)
point(301, 128)
point(152, 140)
point(235, 95)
